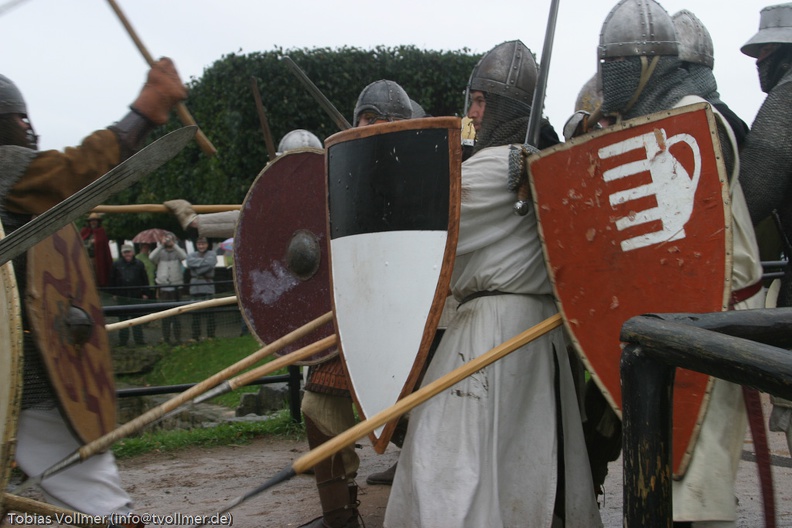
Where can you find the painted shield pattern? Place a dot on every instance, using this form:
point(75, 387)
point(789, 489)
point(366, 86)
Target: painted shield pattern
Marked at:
point(634, 220)
point(393, 216)
point(281, 268)
point(69, 327)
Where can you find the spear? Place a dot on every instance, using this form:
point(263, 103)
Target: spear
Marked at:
point(102, 443)
point(265, 128)
point(159, 208)
point(317, 94)
point(181, 109)
point(363, 429)
point(211, 303)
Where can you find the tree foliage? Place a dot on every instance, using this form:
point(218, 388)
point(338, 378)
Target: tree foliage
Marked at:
point(222, 103)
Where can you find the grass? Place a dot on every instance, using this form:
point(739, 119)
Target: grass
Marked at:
point(195, 362)
point(235, 433)
point(192, 363)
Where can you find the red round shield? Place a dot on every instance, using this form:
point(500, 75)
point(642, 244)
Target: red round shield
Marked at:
point(68, 325)
point(280, 251)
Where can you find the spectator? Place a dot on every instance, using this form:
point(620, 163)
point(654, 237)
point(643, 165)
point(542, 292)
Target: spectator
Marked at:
point(143, 256)
point(201, 264)
point(170, 279)
point(129, 275)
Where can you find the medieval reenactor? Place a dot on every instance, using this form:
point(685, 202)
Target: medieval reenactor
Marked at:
point(464, 461)
point(327, 404)
point(766, 158)
point(32, 182)
point(642, 76)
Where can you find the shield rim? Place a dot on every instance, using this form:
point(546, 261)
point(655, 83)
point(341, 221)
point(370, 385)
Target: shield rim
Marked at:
point(454, 127)
point(103, 353)
point(11, 395)
point(325, 355)
point(571, 334)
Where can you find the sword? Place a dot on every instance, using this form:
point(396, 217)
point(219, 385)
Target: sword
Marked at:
point(117, 179)
point(537, 103)
point(317, 94)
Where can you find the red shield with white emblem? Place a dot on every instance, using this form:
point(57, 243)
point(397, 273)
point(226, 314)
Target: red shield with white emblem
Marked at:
point(634, 220)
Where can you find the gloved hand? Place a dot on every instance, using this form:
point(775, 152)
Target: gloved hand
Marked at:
point(183, 211)
point(163, 90)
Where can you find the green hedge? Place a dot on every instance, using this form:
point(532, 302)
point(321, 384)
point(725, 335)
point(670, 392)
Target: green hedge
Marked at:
point(223, 105)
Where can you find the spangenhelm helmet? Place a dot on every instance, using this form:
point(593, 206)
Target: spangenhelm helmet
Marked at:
point(298, 138)
point(589, 98)
point(775, 27)
point(509, 69)
point(637, 28)
point(695, 42)
point(386, 99)
point(11, 100)
point(417, 110)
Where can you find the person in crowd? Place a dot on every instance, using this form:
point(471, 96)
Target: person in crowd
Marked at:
point(129, 280)
point(201, 264)
point(169, 280)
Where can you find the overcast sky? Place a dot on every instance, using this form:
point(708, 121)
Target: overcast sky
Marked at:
point(78, 69)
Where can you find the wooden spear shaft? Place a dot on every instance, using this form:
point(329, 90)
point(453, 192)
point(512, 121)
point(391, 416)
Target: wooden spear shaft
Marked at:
point(211, 303)
point(181, 109)
point(265, 370)
point(364, 428)
point(105, 441)
point(159, 208)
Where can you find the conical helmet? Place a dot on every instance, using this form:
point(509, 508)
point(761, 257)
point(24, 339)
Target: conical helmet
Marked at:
point(695, 42)
point(384, 98)
point(637, 28)
point(509, 69)
point(11, 100)
point(298, 138)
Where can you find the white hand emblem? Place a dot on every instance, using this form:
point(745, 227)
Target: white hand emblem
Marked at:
point(672, 186)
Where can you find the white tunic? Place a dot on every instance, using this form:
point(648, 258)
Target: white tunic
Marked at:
point(706, 493)
point(484, 452)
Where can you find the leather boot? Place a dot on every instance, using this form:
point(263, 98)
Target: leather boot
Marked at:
point(338, 499)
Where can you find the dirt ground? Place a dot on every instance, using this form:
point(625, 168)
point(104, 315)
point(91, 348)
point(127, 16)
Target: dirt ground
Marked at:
point(199, 481)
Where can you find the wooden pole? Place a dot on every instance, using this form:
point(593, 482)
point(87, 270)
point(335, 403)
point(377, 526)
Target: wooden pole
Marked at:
point(363, 429)
point(211, 303)
point(159, 208)
point(105, 441)
point(181, 109)
point(265, 128)
point(268, 368)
